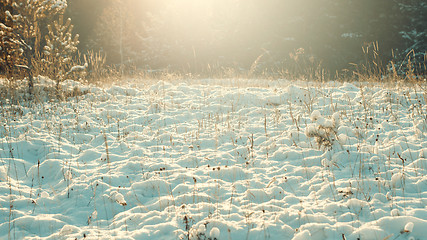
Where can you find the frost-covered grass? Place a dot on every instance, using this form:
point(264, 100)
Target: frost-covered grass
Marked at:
point(206, 160)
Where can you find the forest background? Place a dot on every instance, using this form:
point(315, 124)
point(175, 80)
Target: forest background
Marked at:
point(308, 39)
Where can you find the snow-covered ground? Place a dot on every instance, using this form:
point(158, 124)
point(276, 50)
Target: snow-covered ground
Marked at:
point(206, 160)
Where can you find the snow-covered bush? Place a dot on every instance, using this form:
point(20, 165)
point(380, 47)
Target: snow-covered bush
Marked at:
point(322, 129)
point(22, 30)
point(59, 49)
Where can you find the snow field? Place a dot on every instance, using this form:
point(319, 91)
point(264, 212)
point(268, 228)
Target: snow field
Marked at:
point(204, 161)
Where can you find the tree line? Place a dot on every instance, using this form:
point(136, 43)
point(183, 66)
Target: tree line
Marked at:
point(156, 34)
point(304, 38)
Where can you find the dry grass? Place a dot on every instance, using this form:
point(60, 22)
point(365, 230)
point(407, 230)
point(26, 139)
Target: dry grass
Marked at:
point(302, 67)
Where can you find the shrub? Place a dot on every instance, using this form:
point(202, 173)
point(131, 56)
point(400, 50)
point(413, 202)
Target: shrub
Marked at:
point(323, 129)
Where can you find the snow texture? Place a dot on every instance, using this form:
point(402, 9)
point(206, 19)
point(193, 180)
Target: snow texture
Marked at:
point(206, 160)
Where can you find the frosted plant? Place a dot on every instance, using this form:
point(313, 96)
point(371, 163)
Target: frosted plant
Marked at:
point(10, 49)
point(118, 198)
point(60, 46)
point(21, 30)
point(323, 130)
point(215, 233)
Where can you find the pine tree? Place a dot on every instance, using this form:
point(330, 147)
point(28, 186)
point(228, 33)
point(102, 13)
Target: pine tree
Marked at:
point(59, 49)
point(117, 31)
point(10, 50)
point(414, 34)
point(21, 32)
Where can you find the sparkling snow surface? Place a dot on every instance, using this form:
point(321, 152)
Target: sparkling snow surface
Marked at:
point(209, 161)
